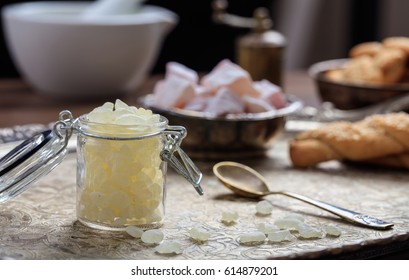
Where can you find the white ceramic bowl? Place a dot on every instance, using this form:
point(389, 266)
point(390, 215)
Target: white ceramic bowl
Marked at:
point(62, 54)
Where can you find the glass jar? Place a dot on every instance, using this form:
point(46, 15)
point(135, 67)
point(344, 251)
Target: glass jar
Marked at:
point(121, 172)
point(121, 169)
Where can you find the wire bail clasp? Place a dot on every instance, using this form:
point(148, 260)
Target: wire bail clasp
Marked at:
point(63, 128)
point(184, 165)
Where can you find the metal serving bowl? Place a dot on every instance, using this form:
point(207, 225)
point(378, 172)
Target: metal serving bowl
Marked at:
point(348, 96)
point(241, 135)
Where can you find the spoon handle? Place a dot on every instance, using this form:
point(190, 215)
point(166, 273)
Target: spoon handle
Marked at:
point(345, 214)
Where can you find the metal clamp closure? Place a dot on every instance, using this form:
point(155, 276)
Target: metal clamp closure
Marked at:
point(184, 165)
point(64, 126)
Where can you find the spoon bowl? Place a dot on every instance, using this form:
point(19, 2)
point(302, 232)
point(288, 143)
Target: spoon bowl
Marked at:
point(247, 182)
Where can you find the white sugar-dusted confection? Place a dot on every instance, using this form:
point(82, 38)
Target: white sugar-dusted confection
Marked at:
point(224, 102)
point(230, 75)
point(229, 217)
point(332, 231)
point(271, 93)
point(134, 231)
point(264, 207)
point(197, 104)
point(287, 223)
point(181, 85)
point(173, 91)
point(306, 231)
point(180, 70)
point(267, 228)
point(199, 234)
point(201, 99)
point(169, 247)
point(280, 236)
point(152, 236)
point(256, 105)
point(252, 237)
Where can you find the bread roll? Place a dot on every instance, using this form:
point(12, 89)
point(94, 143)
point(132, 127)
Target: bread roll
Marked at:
point(363, 70)
point(374, 137)
point(391, 62)
point(400, 161)
point(398, 42)
point(366, 48)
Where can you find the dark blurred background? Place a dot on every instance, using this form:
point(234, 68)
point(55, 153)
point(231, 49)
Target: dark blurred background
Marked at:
point(315, 29)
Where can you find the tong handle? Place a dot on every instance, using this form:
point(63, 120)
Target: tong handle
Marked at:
point(178, 159)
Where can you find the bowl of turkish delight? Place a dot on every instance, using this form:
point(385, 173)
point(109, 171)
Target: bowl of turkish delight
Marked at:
point(225, 112)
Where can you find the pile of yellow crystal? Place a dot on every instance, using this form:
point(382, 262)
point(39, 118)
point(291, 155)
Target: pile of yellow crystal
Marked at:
point(123, 179)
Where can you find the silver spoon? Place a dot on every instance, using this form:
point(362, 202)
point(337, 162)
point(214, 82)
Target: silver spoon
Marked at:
point(247, 182)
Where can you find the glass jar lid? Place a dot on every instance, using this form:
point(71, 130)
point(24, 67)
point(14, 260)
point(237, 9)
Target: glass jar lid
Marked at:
point(33, 158)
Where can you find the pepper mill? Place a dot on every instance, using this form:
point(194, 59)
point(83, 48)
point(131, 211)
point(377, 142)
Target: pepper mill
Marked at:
point(261, 51)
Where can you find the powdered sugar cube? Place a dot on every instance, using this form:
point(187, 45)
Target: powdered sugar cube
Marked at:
point(197, 104)
point(256, 105)
point(230, 75)
point(182, 71)
point(173, 91)
point(224, 102)
point(271, 93)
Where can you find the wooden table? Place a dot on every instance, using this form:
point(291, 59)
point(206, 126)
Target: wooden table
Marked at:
point(44, 216)
point(21, 104)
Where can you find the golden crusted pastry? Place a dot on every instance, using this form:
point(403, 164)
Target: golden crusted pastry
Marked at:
point(396, 161)
point(335, 75)
point(385, 62)
point(397, 42)
point(366, 48)
point(374, 137)
point(392, 63)
point(362, 69)
point(405, 76)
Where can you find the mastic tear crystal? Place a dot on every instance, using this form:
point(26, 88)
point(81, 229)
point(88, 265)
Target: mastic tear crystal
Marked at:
point(229, 217)
point(169, 247)
point(199, 234)
point(252, 237)
point(152, 236)
point(264, 207)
